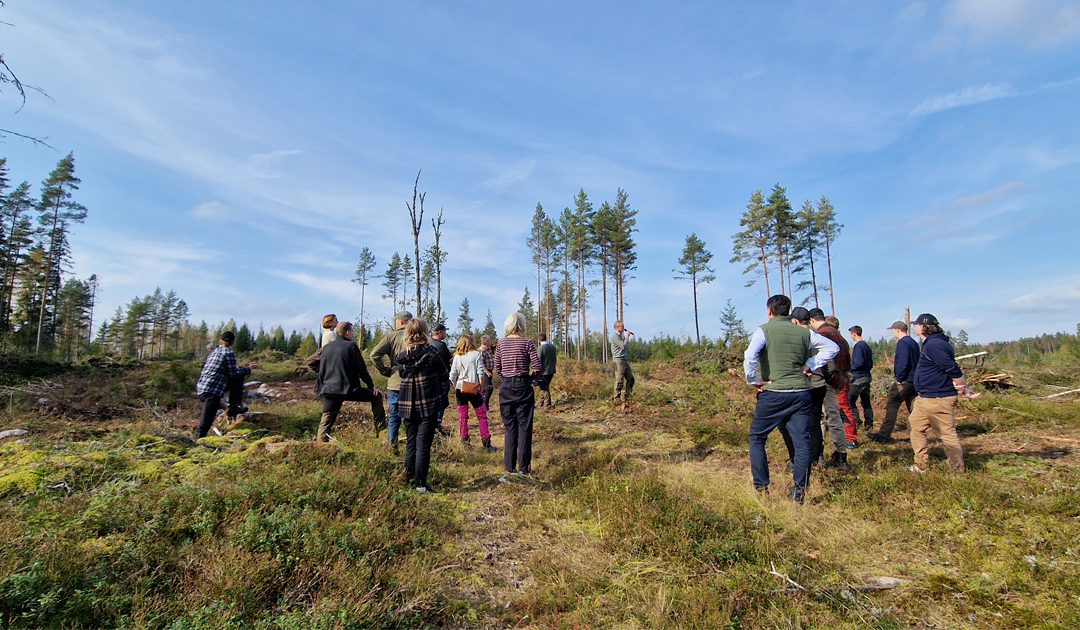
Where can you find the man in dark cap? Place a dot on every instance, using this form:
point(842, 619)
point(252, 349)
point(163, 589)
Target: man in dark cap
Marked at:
point(382, 357)
point(939, 381)
point(220, 374)
point(438, 341)
point(902, 389)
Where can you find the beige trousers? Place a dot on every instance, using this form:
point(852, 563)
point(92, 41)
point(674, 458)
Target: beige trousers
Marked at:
point(937, 413)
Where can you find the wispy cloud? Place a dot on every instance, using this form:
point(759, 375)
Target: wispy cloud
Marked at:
point(212, 211)
point(335, 286)
point(268, 165)
point(968, 96)
point(1059, 299)
point(982, 198)
point(1034, 21)
point(971, 219)
point(512, 174)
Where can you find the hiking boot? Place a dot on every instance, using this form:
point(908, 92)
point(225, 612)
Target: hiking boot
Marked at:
point(236, 410)
point(441, 430)
point(838, 460)
point(879, 438)
point(796, 494)
point(487, 445)
point(465, 439)
point(852, 444)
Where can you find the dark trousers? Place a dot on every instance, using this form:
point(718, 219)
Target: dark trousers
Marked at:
point(331, 405)
point(211, 404)
point(899, 394)
point(817, 399)
point(446, 397)
point(486, 389)
point(773, 409)
point(859, 394)
point(419, 433)
point(516, 402)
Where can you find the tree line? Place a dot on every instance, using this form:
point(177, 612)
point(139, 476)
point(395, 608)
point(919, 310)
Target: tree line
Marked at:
point(40, 311)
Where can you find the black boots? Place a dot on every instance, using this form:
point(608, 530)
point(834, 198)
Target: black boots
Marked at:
point(838, 460)
point(487, 444)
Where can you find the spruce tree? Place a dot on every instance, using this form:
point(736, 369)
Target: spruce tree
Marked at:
point(695, 268)
point(735, 332)
point(307, 347)
point(19, 235)
point(525, 307)
point(392, 280)
point(465, 321)
point(489, 328)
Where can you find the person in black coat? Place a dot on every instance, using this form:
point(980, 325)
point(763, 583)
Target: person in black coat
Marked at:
point(341, 369)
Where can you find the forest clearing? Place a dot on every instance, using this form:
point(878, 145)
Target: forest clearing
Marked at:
point(111, 516)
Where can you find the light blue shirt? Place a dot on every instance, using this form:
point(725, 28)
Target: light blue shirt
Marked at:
point(826, 350)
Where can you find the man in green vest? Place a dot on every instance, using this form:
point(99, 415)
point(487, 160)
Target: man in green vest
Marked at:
point(778, 363)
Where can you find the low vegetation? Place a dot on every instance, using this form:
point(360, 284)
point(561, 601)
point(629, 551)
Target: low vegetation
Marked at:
point(111, 517)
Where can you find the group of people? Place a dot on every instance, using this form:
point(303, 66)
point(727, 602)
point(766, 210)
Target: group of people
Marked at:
point(811, 383)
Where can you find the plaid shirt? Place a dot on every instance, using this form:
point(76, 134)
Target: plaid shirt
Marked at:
point(422, 373)
point(489, 361)
point(516, 356)
point(220, 366)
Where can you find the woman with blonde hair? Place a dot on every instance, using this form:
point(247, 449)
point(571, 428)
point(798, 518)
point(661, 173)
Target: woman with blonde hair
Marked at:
point(466, 373)
point(516, 361)
point(420, 398)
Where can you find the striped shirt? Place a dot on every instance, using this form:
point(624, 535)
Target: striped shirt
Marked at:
point(516, 356)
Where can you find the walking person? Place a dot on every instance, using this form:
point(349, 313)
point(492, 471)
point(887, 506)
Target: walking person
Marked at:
point(939, 381)
point(341, 370)
point(438, 340)
point(515, 363)
point(329, 332)
point(466, 373)
point(624, 377)
point(778, 362)
point(420, 397)
point(384, 358)
point(487, 387)
point(834, 373)
point(548, 361)
point(219, 375)
point(902, 390)
point(862, 362)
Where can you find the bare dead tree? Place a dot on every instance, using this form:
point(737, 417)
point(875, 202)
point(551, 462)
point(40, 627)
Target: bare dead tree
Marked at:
point(438, 256)
point(417, 219)
point(8, 76)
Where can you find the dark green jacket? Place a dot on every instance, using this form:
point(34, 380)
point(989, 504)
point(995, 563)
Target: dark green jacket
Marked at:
point(787, 347)
point(547, 359)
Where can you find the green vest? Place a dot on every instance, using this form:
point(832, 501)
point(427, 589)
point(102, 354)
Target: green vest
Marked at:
point(787, 347)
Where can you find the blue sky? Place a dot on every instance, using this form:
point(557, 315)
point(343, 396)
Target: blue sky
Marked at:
point(243, 153)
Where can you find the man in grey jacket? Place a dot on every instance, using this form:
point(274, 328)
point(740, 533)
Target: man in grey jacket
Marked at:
point(624, 377)
point(341, 370)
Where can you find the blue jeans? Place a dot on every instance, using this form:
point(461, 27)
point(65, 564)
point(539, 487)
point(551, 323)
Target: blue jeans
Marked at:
point(393, 421)
point(773, 409)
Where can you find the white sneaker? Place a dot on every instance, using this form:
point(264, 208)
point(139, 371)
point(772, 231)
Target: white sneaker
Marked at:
point(503, 479)
point(915, 469)
point(422, 490)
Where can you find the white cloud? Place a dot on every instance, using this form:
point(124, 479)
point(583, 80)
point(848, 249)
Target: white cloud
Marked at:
point(511, 175)
point(1059, 299)
point(334, 286)
point(212, 211)
point(1033, 21)
point(986, 197)
point(971, 95)
point(268, 165)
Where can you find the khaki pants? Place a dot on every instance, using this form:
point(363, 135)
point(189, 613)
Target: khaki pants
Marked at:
point(939, 414)
point(624, 377)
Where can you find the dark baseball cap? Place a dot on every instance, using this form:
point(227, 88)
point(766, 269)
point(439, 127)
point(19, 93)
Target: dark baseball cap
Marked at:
point(438, 327)
point(927, 318)
point(816, 313)
point(228, 336)
point(899, 325)
point(800, 313)
point(403, 315)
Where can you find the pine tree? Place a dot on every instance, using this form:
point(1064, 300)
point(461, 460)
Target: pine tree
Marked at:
point(778, 209)
point(525, 307)
point(735, 333)
point(695, 268)
point(465, 321)
point(752, 245)
point(604, 231)
point(57, 212)
point(392, 280)
point(808, 244)
point(489, 328)
point(19, 235)
point(364, 267)
point(582, 245)
point(623, 253)
point(830, 231)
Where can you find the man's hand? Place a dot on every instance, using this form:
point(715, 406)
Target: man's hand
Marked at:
point(806, 371)
point(762, 384)
point(253, 366)
point(375, 392)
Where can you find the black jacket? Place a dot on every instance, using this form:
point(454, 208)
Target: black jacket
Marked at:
point(341, 369)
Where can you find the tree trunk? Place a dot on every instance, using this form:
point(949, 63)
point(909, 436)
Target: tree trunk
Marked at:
point(765, 270)
point(828, 262)
point(48, 273)
point(697, 330)
point(360, 333)
point(603, 296)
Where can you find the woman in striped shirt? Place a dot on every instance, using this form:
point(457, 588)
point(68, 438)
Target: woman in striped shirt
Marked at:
point(515, 361)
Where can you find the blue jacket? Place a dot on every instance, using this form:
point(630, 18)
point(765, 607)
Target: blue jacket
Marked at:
point(937, 368)
point(907, 357)
point(862, 359)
